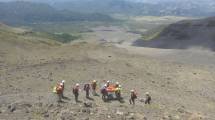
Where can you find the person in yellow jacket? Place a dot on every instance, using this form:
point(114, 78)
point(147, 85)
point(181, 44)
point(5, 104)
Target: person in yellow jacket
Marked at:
point(118, 92)
point(94, 87)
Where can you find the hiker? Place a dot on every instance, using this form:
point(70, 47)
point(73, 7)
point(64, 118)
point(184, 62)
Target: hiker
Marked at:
point(148, 98)
point(63, 86)
point(104, 92)
point(133, 97)
point(108, 83)
point(118, 92)
point(59, 90)
point(117, 85)
point(76, 92)
point(87, 90)
point(94, 85)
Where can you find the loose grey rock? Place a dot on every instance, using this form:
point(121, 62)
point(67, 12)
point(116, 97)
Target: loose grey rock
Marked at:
point(88, 104)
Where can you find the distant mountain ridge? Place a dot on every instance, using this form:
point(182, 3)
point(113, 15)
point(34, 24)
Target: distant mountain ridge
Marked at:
point(29, 12)
point(141, 7)
point(198, 8)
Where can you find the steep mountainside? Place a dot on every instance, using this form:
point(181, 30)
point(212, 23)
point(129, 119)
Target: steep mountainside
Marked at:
point(185, 34)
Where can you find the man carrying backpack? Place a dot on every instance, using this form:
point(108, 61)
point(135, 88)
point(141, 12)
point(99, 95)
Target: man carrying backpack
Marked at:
point(76, 92)
point(87, 90)
point(59, 92)
point(133, 97)
point(148, 98)
point(104, 92)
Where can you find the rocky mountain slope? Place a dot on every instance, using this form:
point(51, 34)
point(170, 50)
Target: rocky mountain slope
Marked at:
point(29, 68)
point(184, 35)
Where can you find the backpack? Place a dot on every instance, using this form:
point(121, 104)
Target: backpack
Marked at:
point(75, 91)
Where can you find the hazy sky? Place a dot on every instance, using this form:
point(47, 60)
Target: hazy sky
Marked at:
point(62, 0)
point(127, 0)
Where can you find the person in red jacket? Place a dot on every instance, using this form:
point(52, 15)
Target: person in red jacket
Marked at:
point(132, 97)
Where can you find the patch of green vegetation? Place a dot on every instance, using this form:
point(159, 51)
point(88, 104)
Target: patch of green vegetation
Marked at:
point(152, 34)
point(64, 37)
point(75, 27)
point(9, 36)
point(60, 37)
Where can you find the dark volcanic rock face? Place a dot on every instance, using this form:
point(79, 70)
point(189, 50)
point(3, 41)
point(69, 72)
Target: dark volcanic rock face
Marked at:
point(184, 35)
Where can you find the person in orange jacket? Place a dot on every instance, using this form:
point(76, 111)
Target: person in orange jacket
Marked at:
point(59, 91)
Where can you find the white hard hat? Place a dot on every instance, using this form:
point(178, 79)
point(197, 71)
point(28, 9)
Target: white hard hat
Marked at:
point(77, 84)
point(132, 90)
point(117, 83)
point(120, 86)
point(63, 81)
point(105, 85)
point(147, 93)
point(108, 81)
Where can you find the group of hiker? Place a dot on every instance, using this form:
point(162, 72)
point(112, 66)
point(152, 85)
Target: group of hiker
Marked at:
point(108, 91)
